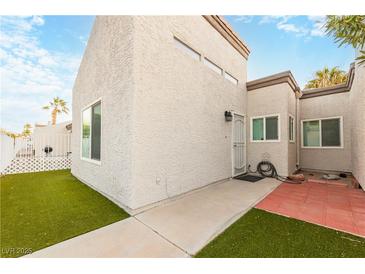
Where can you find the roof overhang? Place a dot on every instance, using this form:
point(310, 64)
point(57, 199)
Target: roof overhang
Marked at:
point(315, 92)
point(228, 33)
point(275, 79)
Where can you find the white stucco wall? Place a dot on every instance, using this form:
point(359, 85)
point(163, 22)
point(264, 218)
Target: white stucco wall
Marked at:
point(163, 126)
point(357, 112)
point(106, 72)
point(336, 159)
point(181, 140)
point(274, 99)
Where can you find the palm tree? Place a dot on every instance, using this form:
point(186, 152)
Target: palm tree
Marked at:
point(57, 106)
point(27, 130)
point(348, 30)
point(327, 78)
point(10, 134)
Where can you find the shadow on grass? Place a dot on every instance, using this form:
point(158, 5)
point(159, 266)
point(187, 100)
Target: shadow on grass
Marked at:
point(44, 208)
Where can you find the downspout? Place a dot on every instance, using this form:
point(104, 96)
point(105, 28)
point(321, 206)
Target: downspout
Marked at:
point(297, 135)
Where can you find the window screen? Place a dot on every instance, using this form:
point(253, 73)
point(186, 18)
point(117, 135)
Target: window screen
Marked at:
point(91, 132)
point(331, 132)
point(96, 132)
point(86, 137)
point(272, 128)
point(291, 128)
point(258, 129)
point(322, 133)
point(265, 128)
point(311, 133)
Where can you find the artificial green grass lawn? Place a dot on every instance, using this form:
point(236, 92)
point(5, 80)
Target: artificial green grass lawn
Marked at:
point(44, 208)
point(262, 234)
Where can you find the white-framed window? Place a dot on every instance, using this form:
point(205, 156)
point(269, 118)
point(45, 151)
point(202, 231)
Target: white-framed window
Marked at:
point(291, 128)
point(213, 66)
point(230, 78)
point(91, 132)
point(322, 133)
point(197, 56)
point(265, 128)
point(185, 48)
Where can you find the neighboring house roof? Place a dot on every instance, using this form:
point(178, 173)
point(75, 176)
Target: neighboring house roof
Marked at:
point(39, 125)
point(67, 125)
point(275, 79)
point(346, 87)
point(227, 32)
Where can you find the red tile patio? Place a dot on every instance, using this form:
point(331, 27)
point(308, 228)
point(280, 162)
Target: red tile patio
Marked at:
point(334, 206)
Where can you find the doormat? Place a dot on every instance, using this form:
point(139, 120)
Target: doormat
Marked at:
point(249, 178)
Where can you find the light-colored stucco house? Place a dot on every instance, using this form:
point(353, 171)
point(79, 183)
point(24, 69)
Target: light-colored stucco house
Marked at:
point(337, 114)
point(152, 105)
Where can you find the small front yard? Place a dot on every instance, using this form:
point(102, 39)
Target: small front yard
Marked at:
point(262, 234)
point(44, 208)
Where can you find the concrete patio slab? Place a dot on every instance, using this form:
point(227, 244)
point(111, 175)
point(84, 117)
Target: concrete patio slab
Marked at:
point(193, 220)
point(127, 238)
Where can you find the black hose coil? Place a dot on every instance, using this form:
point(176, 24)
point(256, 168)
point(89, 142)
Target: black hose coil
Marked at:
point(267, 169)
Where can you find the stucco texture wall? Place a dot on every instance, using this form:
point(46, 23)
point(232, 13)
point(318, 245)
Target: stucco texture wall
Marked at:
point(163, 126)
point(336, 159)
point(269, 100)
point(106, 72)
point(357, 110)
point(181, 140)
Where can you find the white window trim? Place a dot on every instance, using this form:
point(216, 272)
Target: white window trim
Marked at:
point(228, 76)
point(294, 129)
point(264, 132)
point(188, 50)
point(212, 66)
point(93, 161)
point(320, 133)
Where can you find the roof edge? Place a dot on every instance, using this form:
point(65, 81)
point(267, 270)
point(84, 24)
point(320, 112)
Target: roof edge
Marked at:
point(275, 79)
point(223, 27)
point(346, 87)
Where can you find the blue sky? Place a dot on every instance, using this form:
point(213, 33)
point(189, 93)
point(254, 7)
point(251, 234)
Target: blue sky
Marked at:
point(40, 57)
point(295, 43)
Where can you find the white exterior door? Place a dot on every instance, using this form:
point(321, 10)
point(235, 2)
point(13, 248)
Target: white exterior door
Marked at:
point(239, 145)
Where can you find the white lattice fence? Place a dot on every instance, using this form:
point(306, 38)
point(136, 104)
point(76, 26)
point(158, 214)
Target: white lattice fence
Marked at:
point(24, 165)
point(41, 153)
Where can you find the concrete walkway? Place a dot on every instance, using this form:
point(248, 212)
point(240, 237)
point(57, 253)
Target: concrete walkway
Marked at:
point(128, 238)
point(178, 228)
